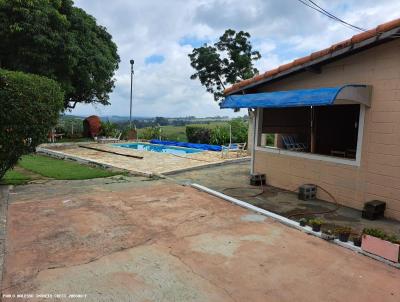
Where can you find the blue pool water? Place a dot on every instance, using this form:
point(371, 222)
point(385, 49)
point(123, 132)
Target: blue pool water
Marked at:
point(159, 148)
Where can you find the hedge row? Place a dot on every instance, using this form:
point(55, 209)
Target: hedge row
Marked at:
point(198, 134)
point(218, 135)
point(29, 108)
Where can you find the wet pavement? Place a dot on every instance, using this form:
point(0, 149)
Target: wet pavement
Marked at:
point(139, 239)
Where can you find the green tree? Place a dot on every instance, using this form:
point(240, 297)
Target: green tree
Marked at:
point(228, 61)
point(162, 121)
point(62, 42)
point(29, 107)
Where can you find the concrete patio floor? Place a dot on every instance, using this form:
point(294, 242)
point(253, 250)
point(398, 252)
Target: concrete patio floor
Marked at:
point(233, 180)
point(135, 239)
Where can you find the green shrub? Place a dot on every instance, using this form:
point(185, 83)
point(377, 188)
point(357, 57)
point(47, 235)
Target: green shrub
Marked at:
point(109, 129)
point(239, 130)
point(150, 133)
point(198, 134)
point(381, 234)
point(219, 135)
point(29, 108)
point(270, 139)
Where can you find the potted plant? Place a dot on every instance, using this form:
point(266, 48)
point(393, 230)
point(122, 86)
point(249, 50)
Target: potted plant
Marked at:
point(343, 233)
point(303, 222)
point(327, 235)
point(316, 224)
point(356, 240)
point(377, 242)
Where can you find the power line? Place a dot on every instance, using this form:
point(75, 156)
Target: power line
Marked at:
point(337, 18)
point(311, 4)
point(329, 15)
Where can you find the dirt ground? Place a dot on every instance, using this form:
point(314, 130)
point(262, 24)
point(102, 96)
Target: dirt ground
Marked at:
point(135, 239)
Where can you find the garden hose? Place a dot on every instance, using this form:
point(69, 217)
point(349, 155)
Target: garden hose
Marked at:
point(261, 191)
point(337, 205)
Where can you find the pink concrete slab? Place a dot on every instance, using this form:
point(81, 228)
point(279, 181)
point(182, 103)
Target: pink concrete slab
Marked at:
point(381, 248)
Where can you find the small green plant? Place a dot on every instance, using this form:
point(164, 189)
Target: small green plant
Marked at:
point(343, 230)
point(316, 224)
point(316, 221)
point(381, 234)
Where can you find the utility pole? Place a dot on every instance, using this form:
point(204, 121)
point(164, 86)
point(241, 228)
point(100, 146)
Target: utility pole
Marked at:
point(130, 108)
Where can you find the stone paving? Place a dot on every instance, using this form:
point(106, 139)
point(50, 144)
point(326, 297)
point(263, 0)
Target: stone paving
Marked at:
point(152, 162)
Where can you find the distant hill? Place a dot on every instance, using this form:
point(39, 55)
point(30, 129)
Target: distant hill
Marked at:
point(121, 119)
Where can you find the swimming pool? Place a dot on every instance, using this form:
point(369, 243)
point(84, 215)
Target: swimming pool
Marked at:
point(159, 148)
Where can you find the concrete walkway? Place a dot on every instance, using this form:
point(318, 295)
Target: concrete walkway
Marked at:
point(133, 239)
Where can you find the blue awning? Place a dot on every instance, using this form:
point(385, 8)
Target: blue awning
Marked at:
point(347, 94)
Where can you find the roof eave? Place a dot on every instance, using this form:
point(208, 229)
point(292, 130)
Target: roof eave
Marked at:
point(340, 53)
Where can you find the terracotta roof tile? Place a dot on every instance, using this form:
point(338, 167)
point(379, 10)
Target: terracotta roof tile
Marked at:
point(363, 36)
point(271, 73)
point(340, 45)
point(285, 67)
point(388, 25)
point(302, 60)
point(318, 54)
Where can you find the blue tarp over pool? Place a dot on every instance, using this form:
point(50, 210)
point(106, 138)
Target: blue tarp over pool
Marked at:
point(187, 145)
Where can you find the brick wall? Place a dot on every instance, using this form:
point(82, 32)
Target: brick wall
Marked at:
point(378, 176)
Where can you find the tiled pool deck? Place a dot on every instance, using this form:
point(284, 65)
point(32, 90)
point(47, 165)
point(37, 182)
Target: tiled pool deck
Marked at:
point(151, 164)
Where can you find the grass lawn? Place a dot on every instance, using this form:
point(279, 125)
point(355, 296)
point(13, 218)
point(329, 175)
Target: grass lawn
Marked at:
point(61, 169)
point(14, 178)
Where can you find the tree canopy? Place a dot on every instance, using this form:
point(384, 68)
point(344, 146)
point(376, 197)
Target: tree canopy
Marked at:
point(62, 42)
point(226, 62)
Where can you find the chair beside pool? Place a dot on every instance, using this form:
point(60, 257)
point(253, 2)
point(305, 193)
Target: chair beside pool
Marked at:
point(108, 140)
point(238, 148)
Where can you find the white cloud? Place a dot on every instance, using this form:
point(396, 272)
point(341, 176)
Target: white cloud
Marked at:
point(281, 31)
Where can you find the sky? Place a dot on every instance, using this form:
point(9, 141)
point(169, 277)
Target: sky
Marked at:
point(160, 34)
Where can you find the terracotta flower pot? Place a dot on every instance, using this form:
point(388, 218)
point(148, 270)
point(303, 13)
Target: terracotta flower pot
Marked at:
point(380, 247)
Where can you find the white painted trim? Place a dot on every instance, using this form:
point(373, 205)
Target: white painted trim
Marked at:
point(307, 155)
point(360, 134)
point(281, 219)
point(290, 223)
point(352, 162)
point(255, 141)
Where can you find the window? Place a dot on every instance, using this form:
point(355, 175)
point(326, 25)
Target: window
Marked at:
point(331, 131)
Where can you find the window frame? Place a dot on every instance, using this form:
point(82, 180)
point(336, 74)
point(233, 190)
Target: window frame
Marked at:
point(312, 156)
